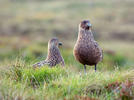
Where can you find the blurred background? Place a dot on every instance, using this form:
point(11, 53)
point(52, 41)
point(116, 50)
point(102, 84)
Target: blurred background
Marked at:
point(27, 25)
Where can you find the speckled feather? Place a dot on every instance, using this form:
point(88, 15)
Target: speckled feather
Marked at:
point(86, 49)
point(53, 58)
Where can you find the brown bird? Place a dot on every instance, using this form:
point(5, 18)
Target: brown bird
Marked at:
point(54, 56)
point(86, 49)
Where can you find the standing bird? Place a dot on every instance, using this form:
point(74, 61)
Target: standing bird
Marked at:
point(86, 49)
point(54, 57)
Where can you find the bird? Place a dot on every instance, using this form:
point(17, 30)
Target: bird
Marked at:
point(54, 56)
point(86, 49)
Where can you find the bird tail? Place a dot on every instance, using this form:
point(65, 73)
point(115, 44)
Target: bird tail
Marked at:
point(40, 64)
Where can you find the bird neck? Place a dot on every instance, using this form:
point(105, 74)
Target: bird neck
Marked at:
point(85, 34)
point(52, 51)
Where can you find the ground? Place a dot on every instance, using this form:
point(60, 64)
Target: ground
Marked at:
point(19, 80)
point(26, 27)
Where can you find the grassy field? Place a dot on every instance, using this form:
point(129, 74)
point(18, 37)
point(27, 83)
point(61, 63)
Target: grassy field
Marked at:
point(111, 81)
point(26, 27)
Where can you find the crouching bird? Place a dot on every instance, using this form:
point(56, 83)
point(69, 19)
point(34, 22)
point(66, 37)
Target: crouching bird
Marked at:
point(54, 56)
point(86, 49)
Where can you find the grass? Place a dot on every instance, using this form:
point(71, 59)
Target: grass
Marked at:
point(26, 27)
point(19, 80)
point(59, 83)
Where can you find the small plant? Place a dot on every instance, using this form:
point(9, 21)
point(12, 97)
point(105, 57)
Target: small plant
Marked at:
point(15, 71)
point(127, 90)
point(41, 75)
point(113, 86)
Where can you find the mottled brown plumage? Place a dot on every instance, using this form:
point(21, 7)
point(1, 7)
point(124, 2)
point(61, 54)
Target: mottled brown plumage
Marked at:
point(54, 57)
point(86, 49)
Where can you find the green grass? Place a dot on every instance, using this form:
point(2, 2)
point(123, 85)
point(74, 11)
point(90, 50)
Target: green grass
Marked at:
point(19, 80)
point(59, 83)
point(25, 28)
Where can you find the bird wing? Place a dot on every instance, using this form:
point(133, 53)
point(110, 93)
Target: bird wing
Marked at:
point(41, 63)
point(98, 50)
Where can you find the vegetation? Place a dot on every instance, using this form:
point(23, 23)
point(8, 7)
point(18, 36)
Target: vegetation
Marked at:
point(27, 25)
point(19, 80)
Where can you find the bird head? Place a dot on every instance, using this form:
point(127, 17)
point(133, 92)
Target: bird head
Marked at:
point(55, 42)
point(85, 25)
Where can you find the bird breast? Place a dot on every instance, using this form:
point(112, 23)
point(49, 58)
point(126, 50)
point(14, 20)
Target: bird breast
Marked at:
point(87, 51)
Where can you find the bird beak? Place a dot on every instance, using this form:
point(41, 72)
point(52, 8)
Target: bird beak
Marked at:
point(89, 24)
point(60, 44)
